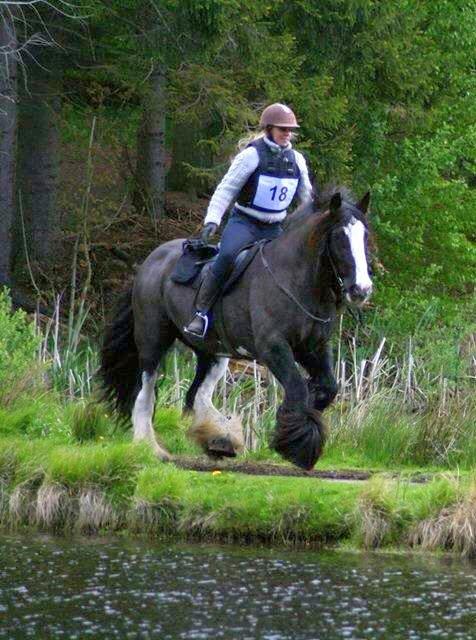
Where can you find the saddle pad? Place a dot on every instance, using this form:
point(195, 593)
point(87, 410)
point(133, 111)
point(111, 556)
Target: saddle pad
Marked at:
point(194, 255)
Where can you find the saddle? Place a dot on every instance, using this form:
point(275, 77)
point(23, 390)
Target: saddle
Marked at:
point(197, 257)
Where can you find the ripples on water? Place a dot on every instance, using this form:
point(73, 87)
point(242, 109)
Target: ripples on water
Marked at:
point(52, 588)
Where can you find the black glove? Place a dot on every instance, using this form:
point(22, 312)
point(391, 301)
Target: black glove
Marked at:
point(208, 231)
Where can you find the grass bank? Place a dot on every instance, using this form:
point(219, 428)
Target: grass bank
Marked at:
point(97, 487)
point(65, 466)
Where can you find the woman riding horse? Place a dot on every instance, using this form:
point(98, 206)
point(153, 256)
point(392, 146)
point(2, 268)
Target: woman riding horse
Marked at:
point(281, 312)
point(264, 179)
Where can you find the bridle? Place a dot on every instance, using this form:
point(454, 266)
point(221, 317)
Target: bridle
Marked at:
point(327, 252)
point(286, 291)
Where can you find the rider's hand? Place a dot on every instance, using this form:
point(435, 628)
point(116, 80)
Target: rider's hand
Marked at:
point(208, 231)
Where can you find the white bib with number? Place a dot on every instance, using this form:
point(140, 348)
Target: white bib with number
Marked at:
point(274, 194)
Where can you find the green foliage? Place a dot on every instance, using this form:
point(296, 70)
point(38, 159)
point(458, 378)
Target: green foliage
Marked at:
point(425, 216)
point(18, 351)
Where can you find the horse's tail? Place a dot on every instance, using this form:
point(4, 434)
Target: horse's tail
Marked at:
point(119, 369)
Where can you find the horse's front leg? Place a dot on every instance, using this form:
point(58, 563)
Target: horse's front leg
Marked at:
point(300, 433)
point(319, 364)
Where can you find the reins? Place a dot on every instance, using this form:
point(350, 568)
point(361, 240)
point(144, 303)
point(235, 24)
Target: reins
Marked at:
point(285, 291)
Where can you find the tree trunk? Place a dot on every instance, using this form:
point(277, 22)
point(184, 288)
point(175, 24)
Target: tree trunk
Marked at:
point(186, 150)
point(8, 127)
point(151, 153)
point(38, 163)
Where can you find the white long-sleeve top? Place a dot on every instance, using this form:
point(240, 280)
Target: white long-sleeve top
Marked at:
point(243, 165)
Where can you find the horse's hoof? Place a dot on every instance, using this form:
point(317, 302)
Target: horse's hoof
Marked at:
point(220, 447)
point(162, 454)
point(299, 437)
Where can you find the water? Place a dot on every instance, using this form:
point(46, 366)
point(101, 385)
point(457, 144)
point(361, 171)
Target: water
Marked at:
point(54, 588)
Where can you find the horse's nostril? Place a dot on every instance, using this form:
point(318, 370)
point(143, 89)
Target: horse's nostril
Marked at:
point(358, 292)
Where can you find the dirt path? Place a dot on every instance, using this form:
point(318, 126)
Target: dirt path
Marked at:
point(269, 469)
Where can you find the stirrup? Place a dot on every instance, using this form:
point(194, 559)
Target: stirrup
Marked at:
point(204, 317)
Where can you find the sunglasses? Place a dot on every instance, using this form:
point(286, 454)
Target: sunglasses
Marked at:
point(285, 129)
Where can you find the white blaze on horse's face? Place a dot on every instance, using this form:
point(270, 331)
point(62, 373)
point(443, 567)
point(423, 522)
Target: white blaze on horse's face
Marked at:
point(362, 286)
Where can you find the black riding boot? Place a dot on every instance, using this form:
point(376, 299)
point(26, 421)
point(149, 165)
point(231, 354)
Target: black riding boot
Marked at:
point(207, 295)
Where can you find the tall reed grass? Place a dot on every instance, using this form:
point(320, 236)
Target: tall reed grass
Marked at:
point(393, 406)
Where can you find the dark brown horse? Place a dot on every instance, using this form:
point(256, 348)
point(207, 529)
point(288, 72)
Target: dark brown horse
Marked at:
point(281, 312)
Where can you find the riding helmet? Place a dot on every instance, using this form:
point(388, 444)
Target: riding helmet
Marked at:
point(278, 115)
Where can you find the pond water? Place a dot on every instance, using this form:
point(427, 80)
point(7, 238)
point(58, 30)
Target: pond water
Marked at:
point(114, 588)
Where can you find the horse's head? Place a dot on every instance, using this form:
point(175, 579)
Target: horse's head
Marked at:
point(347, 247)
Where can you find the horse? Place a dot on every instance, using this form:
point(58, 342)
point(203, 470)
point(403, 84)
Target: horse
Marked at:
point(281, 312)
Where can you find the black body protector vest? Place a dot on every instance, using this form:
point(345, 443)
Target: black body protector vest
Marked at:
point(272, 186)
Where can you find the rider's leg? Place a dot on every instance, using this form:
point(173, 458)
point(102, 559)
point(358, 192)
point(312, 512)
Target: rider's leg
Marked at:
point(236, 235)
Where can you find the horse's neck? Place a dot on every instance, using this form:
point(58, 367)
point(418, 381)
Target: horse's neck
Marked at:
point(299, 255)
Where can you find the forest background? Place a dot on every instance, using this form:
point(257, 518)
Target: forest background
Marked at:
point(118, 118)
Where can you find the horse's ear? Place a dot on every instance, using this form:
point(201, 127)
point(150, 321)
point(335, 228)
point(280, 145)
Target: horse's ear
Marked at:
point(363, 205)
point(335, 203)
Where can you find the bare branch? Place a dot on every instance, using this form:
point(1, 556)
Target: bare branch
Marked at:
point(22, 14)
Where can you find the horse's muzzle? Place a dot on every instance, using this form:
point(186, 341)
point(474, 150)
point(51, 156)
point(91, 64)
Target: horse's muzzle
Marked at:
point(357, 294)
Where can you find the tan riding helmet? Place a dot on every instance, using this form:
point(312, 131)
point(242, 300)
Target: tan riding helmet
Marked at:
point(278, 115)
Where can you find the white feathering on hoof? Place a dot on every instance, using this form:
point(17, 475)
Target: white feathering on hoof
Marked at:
point(209, 424)
point(218, 435)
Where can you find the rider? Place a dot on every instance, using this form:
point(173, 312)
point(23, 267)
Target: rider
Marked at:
point(263, 180)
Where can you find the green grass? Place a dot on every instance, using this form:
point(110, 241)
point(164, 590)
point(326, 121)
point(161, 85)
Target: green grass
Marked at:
point(392, 410)
point(171, 428)
point(66, 465)
point(98, 487)
point(114, 467)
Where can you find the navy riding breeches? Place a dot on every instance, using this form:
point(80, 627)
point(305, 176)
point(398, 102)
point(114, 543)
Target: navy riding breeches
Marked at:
point(240, 231)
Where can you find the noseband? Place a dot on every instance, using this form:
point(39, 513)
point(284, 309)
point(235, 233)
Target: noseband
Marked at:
point(327, 252)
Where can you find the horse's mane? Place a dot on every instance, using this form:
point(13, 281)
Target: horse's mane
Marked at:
point(319, 205)
point(318, 210)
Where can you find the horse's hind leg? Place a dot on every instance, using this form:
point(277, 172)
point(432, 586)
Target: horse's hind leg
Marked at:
point(218, 435)
point(152, 347)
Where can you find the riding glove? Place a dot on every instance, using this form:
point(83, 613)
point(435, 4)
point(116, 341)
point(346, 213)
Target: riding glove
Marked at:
point(208, 231)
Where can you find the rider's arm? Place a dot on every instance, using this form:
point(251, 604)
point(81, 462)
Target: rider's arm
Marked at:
point(304, 191)
point(240, 170)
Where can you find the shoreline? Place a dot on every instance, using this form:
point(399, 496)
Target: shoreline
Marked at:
point(120, 488)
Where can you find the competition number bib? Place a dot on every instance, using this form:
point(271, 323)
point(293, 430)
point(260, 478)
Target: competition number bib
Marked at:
point(275, 194)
